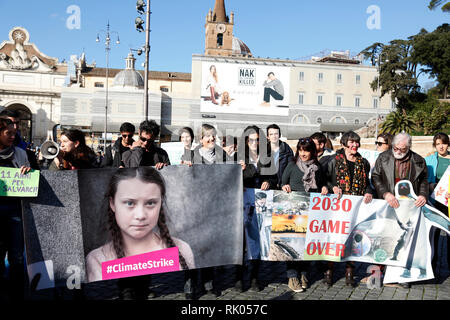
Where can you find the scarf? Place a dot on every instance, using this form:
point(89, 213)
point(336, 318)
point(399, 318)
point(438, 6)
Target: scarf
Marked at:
point(309, 169)
point(7, 153)
point(357, 187)
point(208, 155)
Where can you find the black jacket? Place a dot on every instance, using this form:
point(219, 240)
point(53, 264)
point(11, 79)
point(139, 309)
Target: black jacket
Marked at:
point(113, 157)
point(383, 175)
point(286, 156)
point(255, 176)
point(135, 157)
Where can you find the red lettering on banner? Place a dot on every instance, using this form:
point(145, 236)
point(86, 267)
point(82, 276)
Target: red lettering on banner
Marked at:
point(340, 249)
point(320, 248)
point(328, 247)
point(329, 226)
point(325, 204)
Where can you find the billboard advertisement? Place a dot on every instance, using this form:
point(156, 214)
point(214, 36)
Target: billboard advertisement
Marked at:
point(245, 88)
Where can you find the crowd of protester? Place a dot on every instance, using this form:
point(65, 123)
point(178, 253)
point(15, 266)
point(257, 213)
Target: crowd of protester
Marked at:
point(267, 163)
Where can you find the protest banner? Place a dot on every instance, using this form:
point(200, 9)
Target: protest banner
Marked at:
point(15, 184)
point(442, 188)
point(348, 230)
point(67, 227)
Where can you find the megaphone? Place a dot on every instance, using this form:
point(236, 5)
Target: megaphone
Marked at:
point(49, 149)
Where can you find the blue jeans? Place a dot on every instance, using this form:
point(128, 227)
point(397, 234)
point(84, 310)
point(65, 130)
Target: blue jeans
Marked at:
point(268, 92)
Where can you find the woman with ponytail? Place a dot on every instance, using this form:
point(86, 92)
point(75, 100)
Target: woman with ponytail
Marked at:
point(137, 222)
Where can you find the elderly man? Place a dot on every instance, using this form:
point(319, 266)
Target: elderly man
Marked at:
point(400, 163)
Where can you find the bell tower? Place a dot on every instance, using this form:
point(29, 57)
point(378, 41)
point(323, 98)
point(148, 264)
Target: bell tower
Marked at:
point(219, 31)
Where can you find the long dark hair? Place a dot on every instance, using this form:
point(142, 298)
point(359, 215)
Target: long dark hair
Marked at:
point(306, 144)
point(148, 175)
point(263, 150)
point(80, 158)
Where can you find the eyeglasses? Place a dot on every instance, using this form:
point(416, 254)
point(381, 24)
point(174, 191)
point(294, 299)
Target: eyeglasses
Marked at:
point(404, 150)
point(379, 143)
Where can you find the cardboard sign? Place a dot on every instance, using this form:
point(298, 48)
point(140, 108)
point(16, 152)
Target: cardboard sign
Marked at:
point(15, 184)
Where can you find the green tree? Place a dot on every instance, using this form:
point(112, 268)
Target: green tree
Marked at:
point(397, 122)
point(372, 52)
point(436, 3)
point(432, 52)
point(397, 74)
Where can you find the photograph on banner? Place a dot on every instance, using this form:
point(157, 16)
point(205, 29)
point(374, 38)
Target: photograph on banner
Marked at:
point(263, 211)
point(382, 234)
point(289, 225)
point(418, 265)
point(442, 188)
point(245, 88)
point(15, 184)
point(124, 221)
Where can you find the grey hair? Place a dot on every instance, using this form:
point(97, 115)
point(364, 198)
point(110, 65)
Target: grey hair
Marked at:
point(401, 137)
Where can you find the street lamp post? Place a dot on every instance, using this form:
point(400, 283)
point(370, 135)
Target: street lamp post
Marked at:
point(142, 8)
point(378, 59)
point(107, 49)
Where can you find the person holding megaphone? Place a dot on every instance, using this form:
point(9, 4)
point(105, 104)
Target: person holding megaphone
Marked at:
point(74, 153)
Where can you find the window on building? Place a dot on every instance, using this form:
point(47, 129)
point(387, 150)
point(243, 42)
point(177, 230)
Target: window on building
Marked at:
point(393, 104)
point(357, 101)
point(320, 99)
point(338, 101)
point(338, 120)
point(301, 76)
point(375, 103)
point(339, 78)
point(219, 39)
point(319, 120)
point(356, 121)
point(301, 97)
point(358, 79)
point(164, 89)
point(300, 119)
point(99, 84)
point(320, 77)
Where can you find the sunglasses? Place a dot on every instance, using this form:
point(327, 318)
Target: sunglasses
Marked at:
point(144, 139)
point(378, 143)
point(127, 135)
point(304, 140)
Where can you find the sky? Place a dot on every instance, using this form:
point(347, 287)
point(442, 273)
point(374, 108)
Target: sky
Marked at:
point(293, 29)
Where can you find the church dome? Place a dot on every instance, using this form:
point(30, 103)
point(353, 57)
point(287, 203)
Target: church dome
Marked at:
point(240, 48)
point(129, 77)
